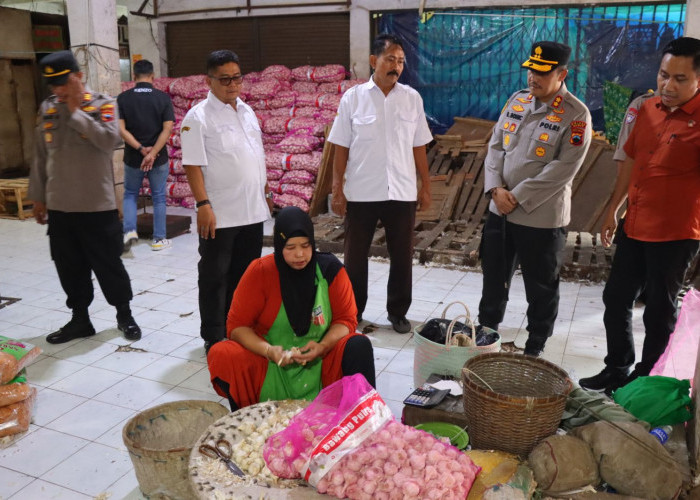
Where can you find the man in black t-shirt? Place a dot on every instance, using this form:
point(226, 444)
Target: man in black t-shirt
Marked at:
point(146, 119)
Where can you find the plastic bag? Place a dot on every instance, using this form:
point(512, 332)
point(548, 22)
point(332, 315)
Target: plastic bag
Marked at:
point(657, 400)
point(679, 359)
point(15, 418)
point(15, 355)
point(15, 390)
point(347, 444)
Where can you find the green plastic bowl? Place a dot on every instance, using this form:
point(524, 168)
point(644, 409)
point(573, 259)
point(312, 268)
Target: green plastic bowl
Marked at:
point(458, 436)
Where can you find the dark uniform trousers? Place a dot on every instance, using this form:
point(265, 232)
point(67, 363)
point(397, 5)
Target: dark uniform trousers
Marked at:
point(398, 219)
point(657, 267)
point(539, 253)
point(223, 260)
point(83, 242)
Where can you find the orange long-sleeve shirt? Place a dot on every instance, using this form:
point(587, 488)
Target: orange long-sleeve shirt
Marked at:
point(258, 298)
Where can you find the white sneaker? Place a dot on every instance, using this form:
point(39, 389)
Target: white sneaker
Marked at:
point(129, 239)
point(160, 244)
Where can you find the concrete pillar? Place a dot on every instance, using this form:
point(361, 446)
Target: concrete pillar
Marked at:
point(360, 41)
point(692, 18)
point(146, 39)
point(95, 43)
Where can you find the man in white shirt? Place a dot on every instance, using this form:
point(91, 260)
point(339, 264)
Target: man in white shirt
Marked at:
point(380, 135)
point(223, 156)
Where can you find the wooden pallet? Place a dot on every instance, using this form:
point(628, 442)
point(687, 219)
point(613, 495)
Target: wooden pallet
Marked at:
point(13, 198)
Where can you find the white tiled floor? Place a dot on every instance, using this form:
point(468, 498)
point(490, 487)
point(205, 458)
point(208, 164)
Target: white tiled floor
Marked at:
point(88, 389)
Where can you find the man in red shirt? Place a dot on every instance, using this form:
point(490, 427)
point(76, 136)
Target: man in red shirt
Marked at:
point(660, 233)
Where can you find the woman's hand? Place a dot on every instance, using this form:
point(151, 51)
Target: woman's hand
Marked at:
point(309, 352)
point(276, 354)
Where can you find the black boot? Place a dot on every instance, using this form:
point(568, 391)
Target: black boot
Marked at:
point(79, 326)
point(126, 323)
point(607, 380)
point(534, 346)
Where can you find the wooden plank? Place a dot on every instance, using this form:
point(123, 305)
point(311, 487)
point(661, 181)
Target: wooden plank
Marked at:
point(428, 240)
point(324, 179)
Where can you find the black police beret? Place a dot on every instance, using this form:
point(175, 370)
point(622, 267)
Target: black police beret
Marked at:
point(57, 66)
point(546, 56)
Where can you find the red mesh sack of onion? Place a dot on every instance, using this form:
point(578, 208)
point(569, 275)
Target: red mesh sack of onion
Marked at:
point(289, 200)
point(298, 142)
point(346, 443)
point(327, 73)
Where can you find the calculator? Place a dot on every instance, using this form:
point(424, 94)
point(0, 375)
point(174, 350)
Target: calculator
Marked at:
point(426, 397)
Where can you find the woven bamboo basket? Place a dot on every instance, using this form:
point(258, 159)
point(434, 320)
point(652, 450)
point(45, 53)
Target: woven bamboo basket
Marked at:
point(159, 441)
point(512, 401)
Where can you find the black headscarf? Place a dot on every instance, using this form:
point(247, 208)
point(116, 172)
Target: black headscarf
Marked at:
point(298, 286)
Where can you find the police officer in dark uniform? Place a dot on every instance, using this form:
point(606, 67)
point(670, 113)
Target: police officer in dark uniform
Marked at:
point(72, 186)
point(538, 145)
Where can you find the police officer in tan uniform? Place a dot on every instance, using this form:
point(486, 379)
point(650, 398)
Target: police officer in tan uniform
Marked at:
point(72, 186)
point(538, 145)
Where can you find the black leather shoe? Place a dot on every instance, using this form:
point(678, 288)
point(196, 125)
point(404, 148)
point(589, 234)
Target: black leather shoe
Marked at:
point(534, 347)
point(531, 351)
point(74, 329)
point(399, 324)
point(607, 380)
point(129, 328)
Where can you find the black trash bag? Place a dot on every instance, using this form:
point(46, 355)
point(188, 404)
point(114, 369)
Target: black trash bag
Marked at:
point(435, 330)
point(485, 336)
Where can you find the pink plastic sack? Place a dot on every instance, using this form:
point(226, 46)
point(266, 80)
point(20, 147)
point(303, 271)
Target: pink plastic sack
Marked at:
point(283, 99)
point(305, 87)
point(294, 177)
point(298, 143)
point(274, 174)
point(163, 83)
point(347, 444)
point(265, 89)
point(128, 86)
point(188, 202)
point(176, 167)
point(189, 86)
point(305, 161)
point(327, 73)
point(272, 139)
point(278, 72)
point(276, 125)
point(311, 125)
point(678, 361)
point(339, 87)
point(178, 190)
point(174, 152)
point(289, 200)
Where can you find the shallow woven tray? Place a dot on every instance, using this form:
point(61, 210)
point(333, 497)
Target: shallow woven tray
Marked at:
point(208, 487)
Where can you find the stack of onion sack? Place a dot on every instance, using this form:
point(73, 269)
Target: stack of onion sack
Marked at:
point(346, 443)
point(16, 396)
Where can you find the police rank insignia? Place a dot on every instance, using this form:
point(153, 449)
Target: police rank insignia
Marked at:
point(506, 125)
point(631, 115)
point(506, 140)
point(553, 118)
point(88, 109)
point(48, 137)
point(51, 111)
point(540, 151)
point(107, 112)
point(513, 126)
point(577, 130)
point(48, 125)
point(518, 108)
point(556, 103)
point(524, 101)
point(87, 96)
point(544, 137)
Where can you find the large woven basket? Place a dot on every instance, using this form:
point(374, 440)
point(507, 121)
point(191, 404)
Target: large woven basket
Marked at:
point(512, 401)
point(159, 441)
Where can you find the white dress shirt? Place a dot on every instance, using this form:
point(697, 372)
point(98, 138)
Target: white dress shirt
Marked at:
point(381, 132)
point(227, 144)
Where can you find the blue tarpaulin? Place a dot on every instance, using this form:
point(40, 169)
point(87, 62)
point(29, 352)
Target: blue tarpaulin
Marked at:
point(467, 62)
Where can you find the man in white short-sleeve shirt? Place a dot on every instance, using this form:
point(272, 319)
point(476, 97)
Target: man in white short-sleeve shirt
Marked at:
point(380, 135)
point(223, 156)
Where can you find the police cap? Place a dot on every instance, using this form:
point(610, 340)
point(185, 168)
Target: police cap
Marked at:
point(546, 56)
point(57, 66)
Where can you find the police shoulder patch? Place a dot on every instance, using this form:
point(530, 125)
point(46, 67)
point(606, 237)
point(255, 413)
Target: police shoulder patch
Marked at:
point(107, 112)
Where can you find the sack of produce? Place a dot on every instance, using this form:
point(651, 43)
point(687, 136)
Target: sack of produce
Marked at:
point(563, 463)
point(15, 390)
point(15, 418)
point(346, 443)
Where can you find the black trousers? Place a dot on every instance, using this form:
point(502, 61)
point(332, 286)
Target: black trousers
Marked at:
point(539, 253)
point(223, 260)
point(658, 268)
point(83, 242)
point(398, 219)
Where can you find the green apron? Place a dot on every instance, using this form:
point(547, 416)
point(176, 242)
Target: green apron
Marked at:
point(295, 381)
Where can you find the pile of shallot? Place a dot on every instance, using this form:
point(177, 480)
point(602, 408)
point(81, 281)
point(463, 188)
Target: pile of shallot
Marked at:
point(394, 462)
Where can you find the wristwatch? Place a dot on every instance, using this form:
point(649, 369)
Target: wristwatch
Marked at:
point(268, 195)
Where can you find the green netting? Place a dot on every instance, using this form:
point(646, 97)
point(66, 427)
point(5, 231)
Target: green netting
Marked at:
point(615, 100)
